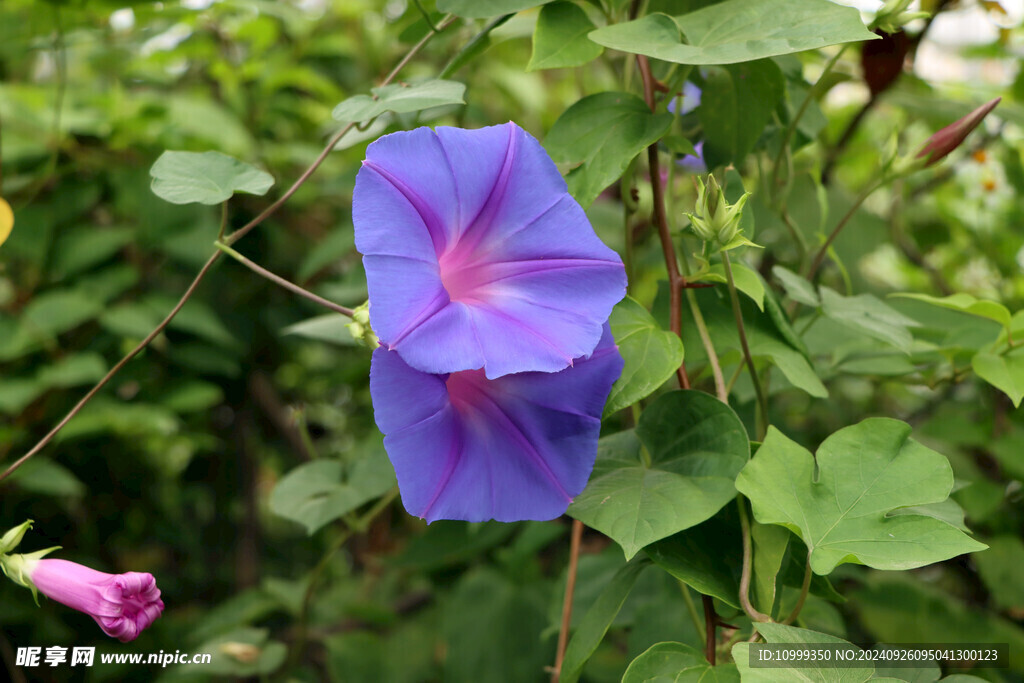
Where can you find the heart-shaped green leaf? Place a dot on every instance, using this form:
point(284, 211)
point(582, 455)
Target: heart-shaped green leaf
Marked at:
point(205, 177)
point(841, 503)
point(695, 445)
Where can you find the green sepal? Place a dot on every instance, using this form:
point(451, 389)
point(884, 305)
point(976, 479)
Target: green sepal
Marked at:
point(13, 567)
point(360, 327)
point(12, 538)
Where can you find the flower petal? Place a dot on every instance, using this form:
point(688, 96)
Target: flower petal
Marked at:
point(513, 448)
point(469, 237)
point(415, 164)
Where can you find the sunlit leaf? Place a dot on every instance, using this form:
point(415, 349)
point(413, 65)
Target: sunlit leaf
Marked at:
point(737, 31)
point(840, 502)
point(400, 98)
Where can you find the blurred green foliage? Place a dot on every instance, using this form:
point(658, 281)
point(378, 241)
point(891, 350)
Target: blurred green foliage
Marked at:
point(172, 468)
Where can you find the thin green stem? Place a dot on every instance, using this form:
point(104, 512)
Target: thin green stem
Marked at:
point(748, 562)
point(823, 251)
point(762, 401)
point(721, 390)
point(223, 221)
point(805, 586)
point(812, 93)
point(691, 607)
point(426, 17)
point(287, 284)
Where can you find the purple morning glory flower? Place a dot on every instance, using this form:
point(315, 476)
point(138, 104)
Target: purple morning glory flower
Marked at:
point(476, 256)
point(513, 448)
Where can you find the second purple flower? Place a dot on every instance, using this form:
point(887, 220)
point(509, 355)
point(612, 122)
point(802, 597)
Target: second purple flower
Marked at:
point(476, 256)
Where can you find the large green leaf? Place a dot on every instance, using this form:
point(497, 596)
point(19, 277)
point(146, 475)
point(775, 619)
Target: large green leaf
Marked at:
point(560, 38)
point(205, 177)
point(651, 354)
point(678, 663)
point(604, 132)
point(696, 446)
point(478, 9)
point(1005, 373)
point(869, 315)
point(841, 505)
point(791, 635)
point(401, 99)
point(319, 492)
point(598, 619)
point(737, 102)
point(737, 31)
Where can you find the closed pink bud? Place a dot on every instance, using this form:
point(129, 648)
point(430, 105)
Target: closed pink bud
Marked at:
point(122, 604)
point(949, 138)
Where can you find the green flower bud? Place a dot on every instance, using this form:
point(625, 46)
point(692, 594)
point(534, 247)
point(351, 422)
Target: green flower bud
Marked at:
point(360, 328)
point(716, 221)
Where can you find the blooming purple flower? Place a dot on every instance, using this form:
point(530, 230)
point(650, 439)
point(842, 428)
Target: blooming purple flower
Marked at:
point(122, 604)
point(517, 447)
point(476, 256)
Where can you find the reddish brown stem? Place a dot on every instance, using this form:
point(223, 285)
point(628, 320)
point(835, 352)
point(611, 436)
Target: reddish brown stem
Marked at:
point(710, 624)
point(570, 588)
point(676, 282)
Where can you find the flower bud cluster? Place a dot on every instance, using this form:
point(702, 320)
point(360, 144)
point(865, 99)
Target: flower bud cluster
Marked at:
point(715, 220)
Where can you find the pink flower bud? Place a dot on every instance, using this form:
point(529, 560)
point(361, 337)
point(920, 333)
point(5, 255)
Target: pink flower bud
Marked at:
point(122, 604)
point(949, 138)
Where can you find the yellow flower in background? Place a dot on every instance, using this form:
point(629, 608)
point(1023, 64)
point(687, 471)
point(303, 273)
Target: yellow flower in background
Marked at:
point(6, 220)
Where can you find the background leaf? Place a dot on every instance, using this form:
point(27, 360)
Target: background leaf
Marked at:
point(736, 103)
point(401, 99)
point(319, 492)
point(1005, 373)
point(205, 177)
